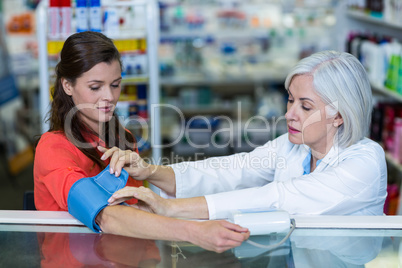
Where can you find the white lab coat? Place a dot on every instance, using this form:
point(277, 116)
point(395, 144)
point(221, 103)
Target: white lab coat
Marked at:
point(349, 181)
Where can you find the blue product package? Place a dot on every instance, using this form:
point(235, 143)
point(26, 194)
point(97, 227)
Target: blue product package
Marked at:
point(88, 196)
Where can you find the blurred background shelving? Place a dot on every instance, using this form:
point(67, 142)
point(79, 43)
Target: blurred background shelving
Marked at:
point(223, 60)
point(218, 71)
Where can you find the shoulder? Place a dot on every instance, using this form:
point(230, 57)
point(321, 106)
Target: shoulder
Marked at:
point(56, 136)
point(54, 142)
point(364, 156)
point(366, 147)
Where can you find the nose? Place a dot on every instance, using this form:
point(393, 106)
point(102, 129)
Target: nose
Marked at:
point(291, 113)
point(108, 94)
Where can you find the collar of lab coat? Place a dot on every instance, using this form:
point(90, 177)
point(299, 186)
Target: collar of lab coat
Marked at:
point(331, 158)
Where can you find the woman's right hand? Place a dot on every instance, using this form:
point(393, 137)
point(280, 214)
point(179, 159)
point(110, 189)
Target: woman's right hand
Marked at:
point(217, 235)
point(131, 161)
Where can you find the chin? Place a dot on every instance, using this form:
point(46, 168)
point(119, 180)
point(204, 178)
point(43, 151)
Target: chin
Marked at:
point(294, 140)
point(105, 119)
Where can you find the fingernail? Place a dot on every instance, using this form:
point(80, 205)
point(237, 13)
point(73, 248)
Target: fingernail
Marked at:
point(111, 171)
point(116, 174)
point(103, 157)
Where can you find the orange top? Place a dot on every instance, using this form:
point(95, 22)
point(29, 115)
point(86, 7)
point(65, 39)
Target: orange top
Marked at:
point(58, 165)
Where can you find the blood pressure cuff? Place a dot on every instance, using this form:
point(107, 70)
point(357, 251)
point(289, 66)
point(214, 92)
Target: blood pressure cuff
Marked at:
point(88, 196)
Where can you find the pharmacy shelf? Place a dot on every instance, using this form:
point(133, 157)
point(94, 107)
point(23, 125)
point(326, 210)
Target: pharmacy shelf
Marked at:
point(134, 79)
point(387, 92)
point(245, 79)
point(227, 33)
point(361, 21)
point(122, 35)
point(394, 162)
point(126, 3)
point(207, 110)
point(359, 15)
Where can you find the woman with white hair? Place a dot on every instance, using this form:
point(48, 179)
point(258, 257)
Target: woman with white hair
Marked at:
point(323, 165)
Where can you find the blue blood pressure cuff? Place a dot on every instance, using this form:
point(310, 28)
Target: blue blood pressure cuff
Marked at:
point(88, 196)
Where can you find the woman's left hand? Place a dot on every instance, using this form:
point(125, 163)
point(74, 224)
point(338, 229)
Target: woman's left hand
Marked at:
point(148, 200)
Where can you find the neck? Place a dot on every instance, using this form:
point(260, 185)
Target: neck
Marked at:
point(317, 155)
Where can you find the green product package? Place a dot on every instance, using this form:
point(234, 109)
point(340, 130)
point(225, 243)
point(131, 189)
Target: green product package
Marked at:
point(399, 82)
point(391, 81)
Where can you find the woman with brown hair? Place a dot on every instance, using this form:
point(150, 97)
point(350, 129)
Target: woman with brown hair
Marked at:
point(69, 173)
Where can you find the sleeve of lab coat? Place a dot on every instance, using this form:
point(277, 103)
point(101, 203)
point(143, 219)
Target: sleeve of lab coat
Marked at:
point(228, 173)
point(356, 185)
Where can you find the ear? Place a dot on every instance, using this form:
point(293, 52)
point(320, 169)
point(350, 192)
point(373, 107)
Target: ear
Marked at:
point(68, 88)
point(338, 120)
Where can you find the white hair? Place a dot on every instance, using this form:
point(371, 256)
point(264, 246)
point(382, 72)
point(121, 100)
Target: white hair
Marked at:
point(342, 82)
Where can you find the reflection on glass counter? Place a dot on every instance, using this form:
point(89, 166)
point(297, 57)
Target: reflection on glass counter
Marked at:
point(24, 245)
point(63, 249)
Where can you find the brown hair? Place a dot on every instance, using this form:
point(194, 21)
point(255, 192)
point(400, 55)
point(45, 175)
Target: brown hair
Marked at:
point(81, 52)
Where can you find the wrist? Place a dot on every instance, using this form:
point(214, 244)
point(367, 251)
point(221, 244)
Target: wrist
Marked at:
point(171, 208)
point(151, 171)
point(188, 231)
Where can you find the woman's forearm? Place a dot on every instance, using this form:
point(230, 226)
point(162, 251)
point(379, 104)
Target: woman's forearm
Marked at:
point(128, 221)
point(164, 178)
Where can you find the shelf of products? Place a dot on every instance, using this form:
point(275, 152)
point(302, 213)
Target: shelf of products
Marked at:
point(133, 26)
point(225, 40)
point(387, 92)
point(226, 61)
point(374, 38)
point(17, 126)
point(366, 17)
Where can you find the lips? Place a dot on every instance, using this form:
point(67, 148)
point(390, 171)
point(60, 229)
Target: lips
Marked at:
point(105, 109)
point(293, 130)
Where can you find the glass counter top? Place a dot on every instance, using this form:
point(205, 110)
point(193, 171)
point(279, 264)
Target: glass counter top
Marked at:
point(69, 244)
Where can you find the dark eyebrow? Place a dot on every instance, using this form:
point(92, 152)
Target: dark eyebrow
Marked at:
point(99, 81)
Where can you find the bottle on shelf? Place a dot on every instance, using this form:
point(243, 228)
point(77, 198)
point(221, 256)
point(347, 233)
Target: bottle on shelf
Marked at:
point(65, 17)
point(81, 16)
point(111, 21)
point(95, 16)
point(54, 18)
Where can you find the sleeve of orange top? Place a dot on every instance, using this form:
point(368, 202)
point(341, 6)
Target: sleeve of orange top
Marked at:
point(56, 167)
